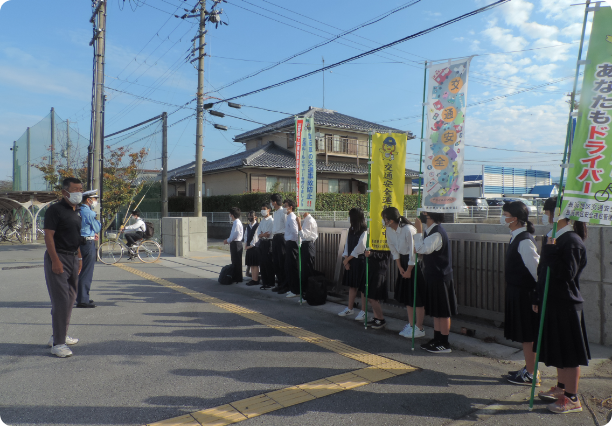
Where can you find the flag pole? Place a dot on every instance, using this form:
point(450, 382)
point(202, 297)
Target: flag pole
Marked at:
point(557, 208)
point(365, 324)
point(416, 255)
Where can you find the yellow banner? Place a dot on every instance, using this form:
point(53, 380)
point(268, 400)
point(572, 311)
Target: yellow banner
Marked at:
point(388, 180)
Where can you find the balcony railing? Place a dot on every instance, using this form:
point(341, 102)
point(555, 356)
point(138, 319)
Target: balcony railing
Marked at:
point(343, 146)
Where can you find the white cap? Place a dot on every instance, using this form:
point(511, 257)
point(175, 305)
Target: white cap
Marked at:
point(91, 194)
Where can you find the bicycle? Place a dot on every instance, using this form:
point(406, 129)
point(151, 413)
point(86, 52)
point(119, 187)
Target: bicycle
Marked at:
point(111, 252)
point(601, 192)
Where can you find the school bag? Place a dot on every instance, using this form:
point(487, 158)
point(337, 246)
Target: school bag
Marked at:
point(149, 230)
point(316, 293)
point(226, 276)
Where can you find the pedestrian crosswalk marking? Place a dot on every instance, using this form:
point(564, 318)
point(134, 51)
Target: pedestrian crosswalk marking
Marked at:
point(380, 368)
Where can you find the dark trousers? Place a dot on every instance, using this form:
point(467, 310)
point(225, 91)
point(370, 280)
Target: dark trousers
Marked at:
point(62, 292)
point(236, 255)
point(278, 253)
point(308, 252)
point(292, 271)
point(133, 237)
point(88, 252)
point(266, 265)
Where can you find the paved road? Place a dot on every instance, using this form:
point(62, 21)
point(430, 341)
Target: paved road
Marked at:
point(151, 352)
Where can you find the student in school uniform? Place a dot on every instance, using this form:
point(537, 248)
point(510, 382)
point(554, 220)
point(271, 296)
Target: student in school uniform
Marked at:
point(441, 301)
point(564, 339)
point(292, 271)
point(308, 232)
point(264, 236)
point(235, 243)
point(400, 239)
point(378, 265)
point(278, 243)
point(521, 270)
point(354, 261)
point(251, 259)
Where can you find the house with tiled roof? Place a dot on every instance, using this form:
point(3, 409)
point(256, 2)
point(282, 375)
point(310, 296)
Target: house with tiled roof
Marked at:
point(269, 159)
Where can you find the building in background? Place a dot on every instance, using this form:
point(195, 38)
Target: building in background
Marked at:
point(268, 161)
point(497, 182)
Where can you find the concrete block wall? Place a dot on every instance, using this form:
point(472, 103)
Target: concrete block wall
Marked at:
point(182, 235)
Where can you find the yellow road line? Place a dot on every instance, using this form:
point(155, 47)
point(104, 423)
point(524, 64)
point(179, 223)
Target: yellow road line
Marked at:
point(380, 368)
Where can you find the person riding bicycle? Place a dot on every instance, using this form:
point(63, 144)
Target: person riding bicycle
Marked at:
point(136, 231)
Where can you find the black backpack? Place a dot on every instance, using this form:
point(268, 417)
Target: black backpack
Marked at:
point(316, 294)
point(149, 230)
point(226, 276)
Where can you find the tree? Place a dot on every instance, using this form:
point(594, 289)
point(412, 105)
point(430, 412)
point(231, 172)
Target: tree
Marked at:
point(6, 185)
point(120, 181)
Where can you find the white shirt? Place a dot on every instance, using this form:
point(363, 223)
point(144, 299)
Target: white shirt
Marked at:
point(138, 226)
point(360, 248)
point(401, 241)
point(237, 231)
point(291, 228)
point(266, 225)
point(432, 243)
point(280, 219)
point(310, 229)
point(255, 238)
point(528, 252)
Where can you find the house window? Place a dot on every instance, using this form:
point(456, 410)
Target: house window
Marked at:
point(322, 185)
point(280, 184)
point(191, 191)
point(258, 183)
point(290, 140)
point(336, 143)
point(334, 186)
point(408, 188)
point(344, 186)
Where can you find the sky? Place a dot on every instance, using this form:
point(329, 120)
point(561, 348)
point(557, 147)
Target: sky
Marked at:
point(46, 61)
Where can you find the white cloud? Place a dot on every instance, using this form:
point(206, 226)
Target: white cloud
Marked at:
point(503, 38)
point(541, 72)
point(561, 10)
point(517, 12)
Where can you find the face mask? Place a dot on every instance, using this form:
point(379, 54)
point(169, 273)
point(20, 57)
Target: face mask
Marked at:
point(231, 218)
point(545, 219)
point(384, 225)
point(271, 205)
point(94, 204)
point(75, 197)
point(264, 213)
point(502, 221)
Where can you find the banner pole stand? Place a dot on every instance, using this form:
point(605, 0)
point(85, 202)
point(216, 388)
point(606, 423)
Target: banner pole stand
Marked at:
point(416, 255)
point(369, 219)
point(557, 212)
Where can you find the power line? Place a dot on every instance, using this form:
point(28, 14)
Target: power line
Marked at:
point(378, 49)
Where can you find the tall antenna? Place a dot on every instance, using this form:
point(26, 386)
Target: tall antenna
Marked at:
point(323, 59)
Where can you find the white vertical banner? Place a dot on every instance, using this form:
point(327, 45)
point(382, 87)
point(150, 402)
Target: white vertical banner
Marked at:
point(306, 164)
point(445, 141)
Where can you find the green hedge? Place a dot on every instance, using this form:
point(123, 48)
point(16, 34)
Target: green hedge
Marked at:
point(254, 200)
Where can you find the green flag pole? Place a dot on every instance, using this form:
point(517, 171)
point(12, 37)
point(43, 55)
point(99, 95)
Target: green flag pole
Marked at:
point(557, 212)
point(365, 324)
point(300, 265)
point(416, 255)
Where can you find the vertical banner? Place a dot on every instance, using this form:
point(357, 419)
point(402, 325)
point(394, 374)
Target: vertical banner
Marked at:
point(388, 181)
point(445, 140)
point(305, 164)
point(588, 191)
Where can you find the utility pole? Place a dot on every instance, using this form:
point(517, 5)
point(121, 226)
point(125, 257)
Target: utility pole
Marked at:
point(28, 159)
point(15, 186)
point(164, 176)
point(68, 144)
point(99, 20)
point(323, 82)
point(200, 114)
point(101, 191)
point(52, 159)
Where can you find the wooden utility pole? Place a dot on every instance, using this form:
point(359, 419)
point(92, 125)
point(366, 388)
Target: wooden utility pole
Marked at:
point(200, 114)
point(164, 183)
point(98, 41)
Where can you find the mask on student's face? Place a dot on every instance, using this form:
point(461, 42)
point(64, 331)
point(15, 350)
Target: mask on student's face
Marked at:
point(75, 197)
point(545, 219)
point(271, 205)
point(384, 224)
point(264, 212)
point(502, 220)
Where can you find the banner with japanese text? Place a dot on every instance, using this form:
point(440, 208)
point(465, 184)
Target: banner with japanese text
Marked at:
point(588, 191)
point(388, 177)
point(445, 141)
point(305, 164)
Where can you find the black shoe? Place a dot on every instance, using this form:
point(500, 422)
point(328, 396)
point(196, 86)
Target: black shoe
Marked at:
point(431, 343)
point(275, 288)
point(522, 377)
point(85, 305)
point(439, 348)
point(513, 373)
point(265, 287)
point(376, 323)
point(282, 290)
point(251, 283)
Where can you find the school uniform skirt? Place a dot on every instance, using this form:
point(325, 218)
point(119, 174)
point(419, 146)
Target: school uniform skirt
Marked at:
point(355, 276)
point(564, 338)
point(404, 287)
point(520, 322)
point(441, 299)
point(252, 257)
point(378, 264)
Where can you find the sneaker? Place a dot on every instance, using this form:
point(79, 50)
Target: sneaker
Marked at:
point(512, 373)
point(407, 331)
point(61, 351)
point(283, 290)
point(69, 341)
point(429, 345)
point(418, 332)
point(251, 283)
point(265, 287)
point(360, 316)
point(290, 295)
point(522, 377)
point(552, 395)
point(565, 405)
point(439, 348)
point(275, 288)
point(376, 323)
point(345, 312)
